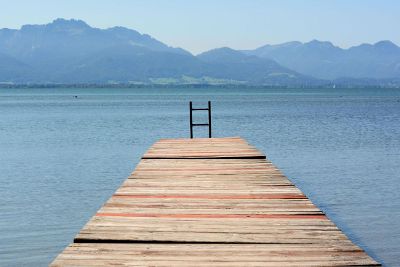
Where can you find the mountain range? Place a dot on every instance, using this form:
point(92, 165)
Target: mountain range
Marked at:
point(71, 51)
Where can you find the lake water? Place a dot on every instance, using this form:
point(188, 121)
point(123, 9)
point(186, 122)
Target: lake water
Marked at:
point(61, 157)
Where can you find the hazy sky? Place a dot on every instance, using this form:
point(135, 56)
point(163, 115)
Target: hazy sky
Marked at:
point(199, 25)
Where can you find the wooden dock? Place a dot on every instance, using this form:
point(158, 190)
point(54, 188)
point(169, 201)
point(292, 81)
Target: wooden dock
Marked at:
point(209, 202)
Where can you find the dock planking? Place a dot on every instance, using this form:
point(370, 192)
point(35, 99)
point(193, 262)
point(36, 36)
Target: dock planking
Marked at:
point(210, 202)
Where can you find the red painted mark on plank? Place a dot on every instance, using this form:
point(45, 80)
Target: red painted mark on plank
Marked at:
point(216, 216)
point(223, 153)
point(217, 196)
point(203, 169)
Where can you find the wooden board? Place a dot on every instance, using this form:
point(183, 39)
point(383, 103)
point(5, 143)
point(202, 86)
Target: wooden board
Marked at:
point(238, 255)
point(232, 147)
point(193, 203)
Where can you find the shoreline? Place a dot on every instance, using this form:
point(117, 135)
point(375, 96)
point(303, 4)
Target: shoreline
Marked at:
point(190, 86)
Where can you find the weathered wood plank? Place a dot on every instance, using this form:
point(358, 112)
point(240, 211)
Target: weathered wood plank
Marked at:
point(212, 255)
point(210, 202)
point(203, 148)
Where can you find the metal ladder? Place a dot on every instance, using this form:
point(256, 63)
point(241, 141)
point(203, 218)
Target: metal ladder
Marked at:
point(200, 124)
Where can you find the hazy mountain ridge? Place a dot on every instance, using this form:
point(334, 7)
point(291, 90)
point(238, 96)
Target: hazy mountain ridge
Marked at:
point(325, 61)
point(70, 51)
point(227, 63)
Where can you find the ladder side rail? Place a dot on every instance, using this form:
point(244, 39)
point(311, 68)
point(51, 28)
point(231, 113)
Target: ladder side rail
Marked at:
point(191, 119)
point(209, 119)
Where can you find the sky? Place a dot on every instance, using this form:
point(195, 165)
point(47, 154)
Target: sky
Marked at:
point(200, 25)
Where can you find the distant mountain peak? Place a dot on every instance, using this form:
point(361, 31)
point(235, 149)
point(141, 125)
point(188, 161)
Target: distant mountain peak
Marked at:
point(317, 43)
point(224, 49)
point(60, 22)
point(265, 49)
point(121, 29)
point(386, 44)
point(291, 43)
point(221, 51)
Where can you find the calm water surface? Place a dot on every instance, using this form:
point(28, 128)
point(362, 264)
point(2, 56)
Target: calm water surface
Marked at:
point(61, 157)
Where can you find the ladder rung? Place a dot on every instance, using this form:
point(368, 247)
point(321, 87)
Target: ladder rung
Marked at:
point(200, 124)
point(199, 108)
